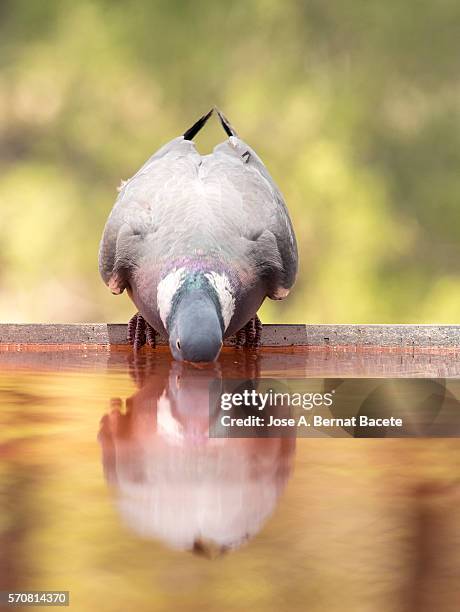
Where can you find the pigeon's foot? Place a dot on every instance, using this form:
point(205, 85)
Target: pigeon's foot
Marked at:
point(250, 335)
point(140, 332)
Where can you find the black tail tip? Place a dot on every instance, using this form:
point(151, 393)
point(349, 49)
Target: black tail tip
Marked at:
point(196, 127)
point(226, 123)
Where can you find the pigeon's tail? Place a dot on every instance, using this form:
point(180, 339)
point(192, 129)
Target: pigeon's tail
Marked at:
point(226, 124)
point(196, 127)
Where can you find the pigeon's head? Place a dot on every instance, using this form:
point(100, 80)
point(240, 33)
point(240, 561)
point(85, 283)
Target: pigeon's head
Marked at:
point(196, 331)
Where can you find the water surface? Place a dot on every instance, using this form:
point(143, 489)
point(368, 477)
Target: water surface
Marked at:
point(110, 488)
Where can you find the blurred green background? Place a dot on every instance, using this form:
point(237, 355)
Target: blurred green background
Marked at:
point(353, 106)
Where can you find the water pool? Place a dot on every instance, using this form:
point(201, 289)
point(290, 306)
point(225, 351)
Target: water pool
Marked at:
point(101, 497)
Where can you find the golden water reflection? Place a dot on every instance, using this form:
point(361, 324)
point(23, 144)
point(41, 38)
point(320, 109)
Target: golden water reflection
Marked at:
point(355, 525)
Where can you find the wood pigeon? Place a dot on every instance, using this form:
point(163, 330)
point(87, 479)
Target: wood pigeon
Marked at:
point(199, 241)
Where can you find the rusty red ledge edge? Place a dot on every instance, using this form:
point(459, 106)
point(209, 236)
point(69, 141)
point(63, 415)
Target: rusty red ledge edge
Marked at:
point(273, 335)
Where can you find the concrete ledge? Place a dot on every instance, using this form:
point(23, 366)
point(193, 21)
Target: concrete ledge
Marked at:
point(323, 336)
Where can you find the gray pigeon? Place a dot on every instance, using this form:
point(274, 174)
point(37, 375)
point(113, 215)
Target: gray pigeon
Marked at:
point(198, 242)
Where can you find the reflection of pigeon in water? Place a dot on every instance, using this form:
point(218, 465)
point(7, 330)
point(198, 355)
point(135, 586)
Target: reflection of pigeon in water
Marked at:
point(173, 482)
point(199, 241)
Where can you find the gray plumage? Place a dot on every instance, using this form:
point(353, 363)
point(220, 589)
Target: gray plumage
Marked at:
point(220, 213)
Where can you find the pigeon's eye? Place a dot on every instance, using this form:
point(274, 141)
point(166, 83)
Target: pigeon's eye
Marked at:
point(178, 344)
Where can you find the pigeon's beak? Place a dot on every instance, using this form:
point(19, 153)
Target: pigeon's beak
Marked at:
point(201, 349)
point(203, 365)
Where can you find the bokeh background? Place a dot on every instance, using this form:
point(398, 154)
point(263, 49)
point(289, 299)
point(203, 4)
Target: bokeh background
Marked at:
point(354, 107)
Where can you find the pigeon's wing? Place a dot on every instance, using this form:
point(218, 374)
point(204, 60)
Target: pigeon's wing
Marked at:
point(131, 218)
point(265, 224)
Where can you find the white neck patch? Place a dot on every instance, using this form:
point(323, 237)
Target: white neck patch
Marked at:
point(166, 290)
point(221, 284)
